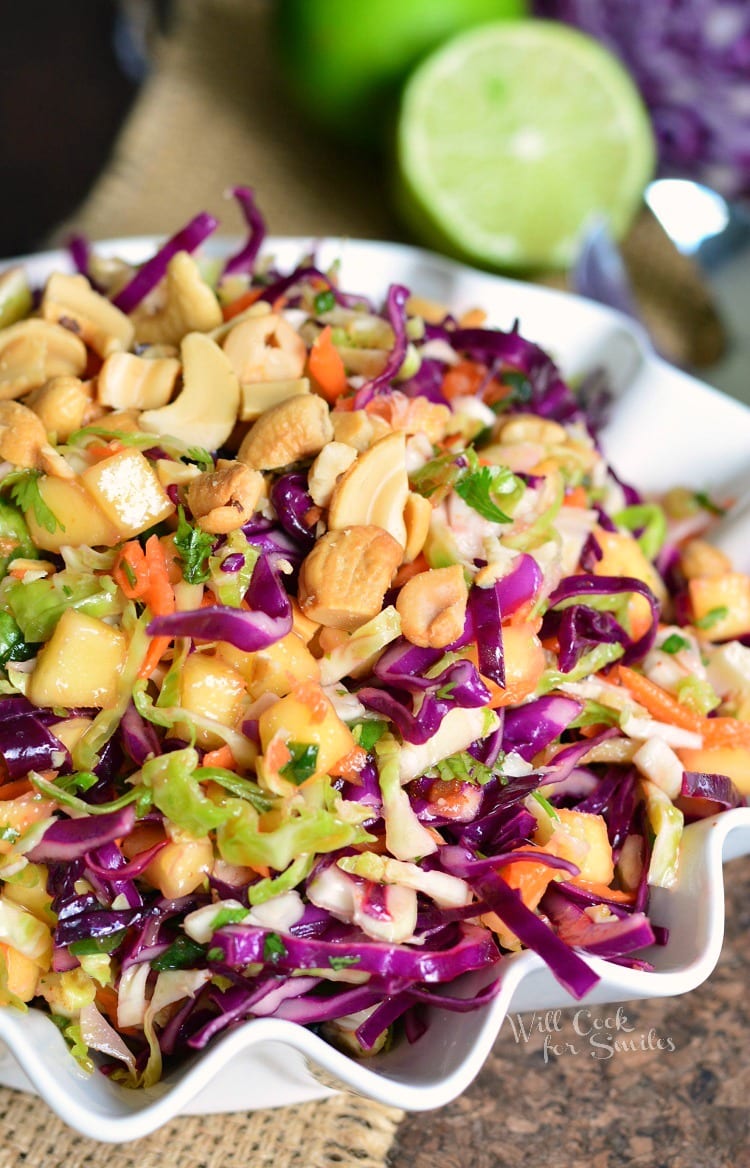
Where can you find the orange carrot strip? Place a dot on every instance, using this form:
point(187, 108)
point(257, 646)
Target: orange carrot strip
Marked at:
point(326, 367)
point(221, 757)
point(246, 300)
point(134, 583)
point(154, 654)
point(464, 378)
point(576, 498)
point(660, 704)
point(160, 597)
point(14, 789)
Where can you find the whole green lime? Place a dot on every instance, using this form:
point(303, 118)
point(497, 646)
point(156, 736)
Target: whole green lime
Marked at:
point(345, 61)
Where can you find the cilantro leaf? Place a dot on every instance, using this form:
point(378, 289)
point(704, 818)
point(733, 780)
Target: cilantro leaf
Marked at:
point(344, 961)
point(367, 733)
point(273, 948)
point(478, 487)
point(706, 502)
point(25, 493)
point(324, 302)
point(194, 546)
point(183, 953)
point(302, 764)
point(200, 456)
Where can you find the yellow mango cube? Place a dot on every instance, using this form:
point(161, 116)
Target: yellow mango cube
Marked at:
point(733, 761)
point(276, 669)
point(128, 491)
point(80, 520)
point(307, 716)
point(622, 556)
point(80, 665)
point(582, 838)
point(21, 975)
point(721, 605)
point(211, 687)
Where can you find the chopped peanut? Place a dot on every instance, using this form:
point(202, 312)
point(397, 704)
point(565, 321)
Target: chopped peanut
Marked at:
point(222, 500)
point(294, 429)
point(343, 580)
point(432, 607)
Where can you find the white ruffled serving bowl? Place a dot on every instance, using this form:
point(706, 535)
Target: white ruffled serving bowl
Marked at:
point(666, 429)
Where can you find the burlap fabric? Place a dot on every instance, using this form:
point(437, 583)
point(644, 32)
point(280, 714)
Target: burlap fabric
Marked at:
point(344, 1131)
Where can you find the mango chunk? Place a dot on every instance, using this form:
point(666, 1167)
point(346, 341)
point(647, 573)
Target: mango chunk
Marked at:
point(80, 665)
point(732, 761)
point(21, 975)
point(211, 687)
point(128, 491)
point(721, 605)
point(80, 521)
point(274, 670)
point(307, 716)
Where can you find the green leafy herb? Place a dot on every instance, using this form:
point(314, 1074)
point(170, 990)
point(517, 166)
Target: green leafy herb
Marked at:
point(706, 502)
point(195, 547)
point(674, 643)
point(478, 487)
point(437, 477)
point(344, 961)
point(367, 733)
point(302, 764)
point(91, 945)
point(183, 953)
point(25, 493)
point(8, 834)
point(712, 617)
point(273, 948)
point(228, 916)
point(200, 457)
point(324, 302)
point(13, 646)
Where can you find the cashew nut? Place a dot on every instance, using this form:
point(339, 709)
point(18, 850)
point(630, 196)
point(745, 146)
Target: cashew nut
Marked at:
point(357, 428)
point(265, 348)
point(34, 351)
point(189, 306)
point(205, 412)
point(22, 435)
point(530, 428)
point(699, 558)
point(417, 517)
point(63, 406)
point(327, 469)
point(432, 607)
point(222, 500)
point(258, 396)
point(294, 429)
point(374, 489)
point(126, 381)
point(102, 326)
point(343, 580)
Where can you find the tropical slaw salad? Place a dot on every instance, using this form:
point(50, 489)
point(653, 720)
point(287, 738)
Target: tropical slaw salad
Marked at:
point(337, 663)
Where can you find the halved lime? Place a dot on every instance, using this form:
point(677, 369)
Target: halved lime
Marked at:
point(512, 137)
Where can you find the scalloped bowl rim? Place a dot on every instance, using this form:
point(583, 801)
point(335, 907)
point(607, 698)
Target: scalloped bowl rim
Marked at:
point(270, 1062)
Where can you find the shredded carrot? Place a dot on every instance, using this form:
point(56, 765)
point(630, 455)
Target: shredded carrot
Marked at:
point(326, 367)
point(604, 891)
point(666, 708)
point(14, 789)
point(154, 654)
point(576, 497)
point(465, 378)
point(221, 757)
point(277, 754)
point(406, 571)
point(246, 300)
point(101, 450)
point(130, 571)
point(160, 596)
